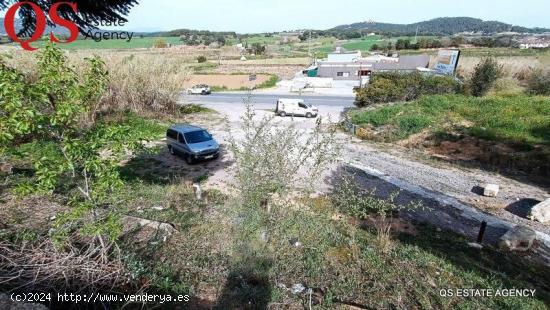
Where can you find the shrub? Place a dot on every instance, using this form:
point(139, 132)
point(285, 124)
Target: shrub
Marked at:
point(160, 43)
point(538, 82)
point(193, 108)
point(201, 59)
point(506, 87)
point(390, 86)
point(486, 72)
point(271, 158)
point(75, 151)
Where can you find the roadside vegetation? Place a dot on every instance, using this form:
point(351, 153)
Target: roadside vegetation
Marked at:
point(392, 87)
point(499, 121)
point(517, 119)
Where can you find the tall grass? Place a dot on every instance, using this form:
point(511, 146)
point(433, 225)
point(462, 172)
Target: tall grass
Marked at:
point(144, 82)
point(138, 82)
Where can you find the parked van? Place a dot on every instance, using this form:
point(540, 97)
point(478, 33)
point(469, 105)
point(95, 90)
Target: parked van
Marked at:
point(192, 142)
point(295, 107)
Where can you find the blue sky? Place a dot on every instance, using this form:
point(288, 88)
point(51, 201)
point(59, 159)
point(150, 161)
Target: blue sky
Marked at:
point(276, 15)
point(245, 16)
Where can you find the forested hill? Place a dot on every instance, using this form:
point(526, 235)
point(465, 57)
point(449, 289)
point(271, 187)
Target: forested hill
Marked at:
point(441, 26)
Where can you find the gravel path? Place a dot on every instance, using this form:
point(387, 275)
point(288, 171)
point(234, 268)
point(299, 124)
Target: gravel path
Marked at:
point(408, 166)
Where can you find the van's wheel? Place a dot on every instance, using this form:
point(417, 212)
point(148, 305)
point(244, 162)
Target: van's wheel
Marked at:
point(171, 150)
point(282, 114)
point(308, 115)
point(203, 92)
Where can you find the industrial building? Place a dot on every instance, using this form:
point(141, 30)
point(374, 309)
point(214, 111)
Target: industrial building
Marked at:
point(352, 66)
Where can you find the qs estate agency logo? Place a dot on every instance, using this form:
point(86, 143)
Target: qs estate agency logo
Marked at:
point(40, 26)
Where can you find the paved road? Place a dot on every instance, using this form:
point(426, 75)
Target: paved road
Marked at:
point(228, 98)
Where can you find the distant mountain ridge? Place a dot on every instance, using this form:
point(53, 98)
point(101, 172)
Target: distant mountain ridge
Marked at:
point(441, 26)
point(436, 26)
point(56, 30)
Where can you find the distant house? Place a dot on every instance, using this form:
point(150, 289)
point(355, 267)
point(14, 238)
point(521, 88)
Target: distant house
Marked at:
point(535, 41)
point(351, 66)
point(534, 45)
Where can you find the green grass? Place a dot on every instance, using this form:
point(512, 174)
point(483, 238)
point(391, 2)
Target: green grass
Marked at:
point(194, 108)
point(260, 39)
point(517, 119)
point(136, 42)
point(363, 44)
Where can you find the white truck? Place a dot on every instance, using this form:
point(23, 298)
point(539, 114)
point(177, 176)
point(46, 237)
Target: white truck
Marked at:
point(295, 107)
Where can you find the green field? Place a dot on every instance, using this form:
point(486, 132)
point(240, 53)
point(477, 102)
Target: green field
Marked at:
point(516, 119)
point(364, 44)
point(136, 42)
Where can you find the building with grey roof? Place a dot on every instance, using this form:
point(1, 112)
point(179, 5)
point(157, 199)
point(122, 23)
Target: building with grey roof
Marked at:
point(360, 68)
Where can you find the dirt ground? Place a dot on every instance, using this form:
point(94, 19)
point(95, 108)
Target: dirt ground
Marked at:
point(229, 81)
point(456, 181)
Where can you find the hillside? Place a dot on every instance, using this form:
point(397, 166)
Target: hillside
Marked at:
point(440, 26)
point(56, 30)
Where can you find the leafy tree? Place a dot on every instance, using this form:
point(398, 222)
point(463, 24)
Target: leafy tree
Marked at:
point(257, 49)
point(402, 44)
point(486, 72)
point(89, 12)
point(201, 59)
point(221, 40)
point(51, 116)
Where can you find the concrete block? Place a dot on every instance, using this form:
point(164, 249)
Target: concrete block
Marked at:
point(541, 212)
point(519, 238)
point(490, 190)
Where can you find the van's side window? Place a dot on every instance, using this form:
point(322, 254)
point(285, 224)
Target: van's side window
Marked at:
point(172, 134)
point(302, 105)
point(180, 138)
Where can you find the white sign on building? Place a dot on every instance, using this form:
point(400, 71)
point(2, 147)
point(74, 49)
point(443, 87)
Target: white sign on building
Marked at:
point(447, 61)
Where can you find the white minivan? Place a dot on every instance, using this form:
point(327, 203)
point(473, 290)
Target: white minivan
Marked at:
point(295, 107)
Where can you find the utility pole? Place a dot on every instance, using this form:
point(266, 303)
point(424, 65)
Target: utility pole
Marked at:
point(309, 47)
point(416, 36)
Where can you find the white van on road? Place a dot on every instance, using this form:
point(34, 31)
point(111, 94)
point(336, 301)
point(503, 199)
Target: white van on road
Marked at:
point(295, 107)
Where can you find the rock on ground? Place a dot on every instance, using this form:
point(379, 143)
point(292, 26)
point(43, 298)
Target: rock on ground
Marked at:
point(541, 212)
point(519, 238)
point(490, 190)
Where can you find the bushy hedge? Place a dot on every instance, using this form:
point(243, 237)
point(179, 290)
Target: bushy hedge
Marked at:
point(201, 59)
point(486, 73)
point(538, 83)
point(391, 86)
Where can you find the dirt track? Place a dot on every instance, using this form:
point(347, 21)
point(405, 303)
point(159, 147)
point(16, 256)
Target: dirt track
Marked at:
point(457, 182)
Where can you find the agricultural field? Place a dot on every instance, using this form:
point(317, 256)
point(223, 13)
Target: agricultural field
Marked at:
point(364, 44)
